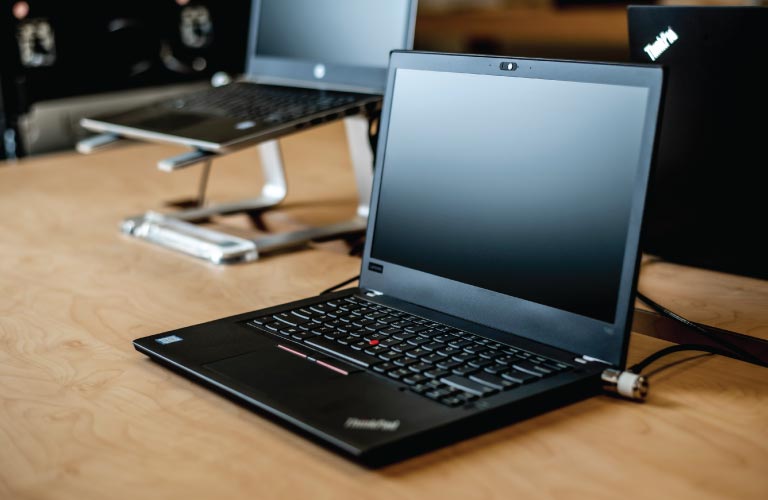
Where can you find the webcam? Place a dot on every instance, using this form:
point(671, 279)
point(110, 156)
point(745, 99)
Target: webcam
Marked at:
point(508, 66)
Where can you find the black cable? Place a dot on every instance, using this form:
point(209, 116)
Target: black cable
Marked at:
point(735, 351)
point(339, 285)
point(639, 367)
point(675, 363)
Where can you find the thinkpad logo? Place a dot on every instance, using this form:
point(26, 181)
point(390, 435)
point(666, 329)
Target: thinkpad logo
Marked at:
point(662, 43)
point(372, 424)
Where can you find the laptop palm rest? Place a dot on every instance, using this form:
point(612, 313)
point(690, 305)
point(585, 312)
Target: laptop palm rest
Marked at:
point(357, 409)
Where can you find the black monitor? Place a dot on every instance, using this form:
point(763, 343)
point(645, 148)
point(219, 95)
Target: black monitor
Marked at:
point(707, 203)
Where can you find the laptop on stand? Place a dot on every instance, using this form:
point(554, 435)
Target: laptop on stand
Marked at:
point(706, 205)
point(499, 269)
point(309, 61)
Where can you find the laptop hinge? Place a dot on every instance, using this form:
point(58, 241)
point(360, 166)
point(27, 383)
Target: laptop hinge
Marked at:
point(585, 358)
point(373, 293)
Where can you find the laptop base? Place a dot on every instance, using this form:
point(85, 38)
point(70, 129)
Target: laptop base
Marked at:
point(177, 230)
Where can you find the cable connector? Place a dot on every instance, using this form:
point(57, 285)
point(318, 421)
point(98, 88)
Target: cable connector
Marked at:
point(625, 383)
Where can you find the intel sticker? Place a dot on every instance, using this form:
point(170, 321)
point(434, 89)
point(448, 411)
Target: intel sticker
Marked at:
point(170, 339)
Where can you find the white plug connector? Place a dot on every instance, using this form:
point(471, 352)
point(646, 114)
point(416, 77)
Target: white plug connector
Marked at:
point(625, 383)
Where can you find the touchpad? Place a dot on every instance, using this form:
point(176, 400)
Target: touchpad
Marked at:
point(272, 367)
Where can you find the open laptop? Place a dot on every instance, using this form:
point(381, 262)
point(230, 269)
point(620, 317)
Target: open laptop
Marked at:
point(706, 205)
point(309, 61)
point(499, 269)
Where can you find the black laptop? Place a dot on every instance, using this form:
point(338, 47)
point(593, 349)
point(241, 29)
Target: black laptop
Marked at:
point(499, 269)
point(309, 61)
point(707, 202)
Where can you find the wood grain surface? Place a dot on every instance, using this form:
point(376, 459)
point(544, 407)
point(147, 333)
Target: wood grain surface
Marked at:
point(83, 416)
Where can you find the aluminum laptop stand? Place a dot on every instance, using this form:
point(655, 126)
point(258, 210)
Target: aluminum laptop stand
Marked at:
point(178, 230)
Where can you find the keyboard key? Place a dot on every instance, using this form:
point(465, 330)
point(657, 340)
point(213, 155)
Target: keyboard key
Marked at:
point(399, 373)
point(322, 330)
point(415, 378)
point(384, 367)
point(388, 319)
point(453, 401)
point(460, 344)
point(433, 358)
point(480, 363)
point(301, 335)
point(320, 308)
point(420, 388)
point(260, 321)
point(391, 331)
point(493, 381)
point(445, 337)
point(463, 371)
point(344, 352)
point(416, 328)
point(448, 350)
point(433, 346)
point(440, 393)
point(376, 350)
point(464, 356)
point(362, 322)
point(436, 373)
point(390, 356)
point(375, 327)
point(505, 359)
point(376, 315)
point(403, 347)
point(475, 349)
point(449, 364)
point(496, 369)
point(289, 331)
point(401, 335)
point(359, 345)
point(337, 325)
point(417, 352)
point(420, 367)
point(418, 341)
point(528, 367)
point(406, 361)
point(274, 326)
point(519, 377)
point(389, 342)
point(466, 385)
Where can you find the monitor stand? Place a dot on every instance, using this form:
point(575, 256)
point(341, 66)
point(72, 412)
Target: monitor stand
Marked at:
point(179, 230)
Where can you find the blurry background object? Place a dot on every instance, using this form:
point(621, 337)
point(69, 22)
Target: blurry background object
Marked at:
point(61, 60)
point(562, 29)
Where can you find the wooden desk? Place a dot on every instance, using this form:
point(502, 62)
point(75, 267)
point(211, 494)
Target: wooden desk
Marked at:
point(83, 416)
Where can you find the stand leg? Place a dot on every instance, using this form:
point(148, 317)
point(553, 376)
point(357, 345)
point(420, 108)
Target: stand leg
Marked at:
point(204, 175)
point(362, 160)
point(273, 191)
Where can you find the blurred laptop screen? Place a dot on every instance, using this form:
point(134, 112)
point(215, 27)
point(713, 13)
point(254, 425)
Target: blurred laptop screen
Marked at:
point(348, 32)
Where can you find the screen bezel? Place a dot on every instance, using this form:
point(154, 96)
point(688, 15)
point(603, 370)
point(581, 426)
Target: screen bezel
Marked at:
point(565, 330)
point(289, 71)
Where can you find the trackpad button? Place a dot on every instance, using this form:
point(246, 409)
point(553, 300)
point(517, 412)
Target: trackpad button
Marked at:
point(272, 368)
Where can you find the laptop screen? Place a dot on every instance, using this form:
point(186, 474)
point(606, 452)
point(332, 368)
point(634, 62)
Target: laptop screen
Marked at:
point(349, 32)
point(521, 186)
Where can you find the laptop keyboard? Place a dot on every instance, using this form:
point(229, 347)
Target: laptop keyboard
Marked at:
point(438, 361)
point(261, 103)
